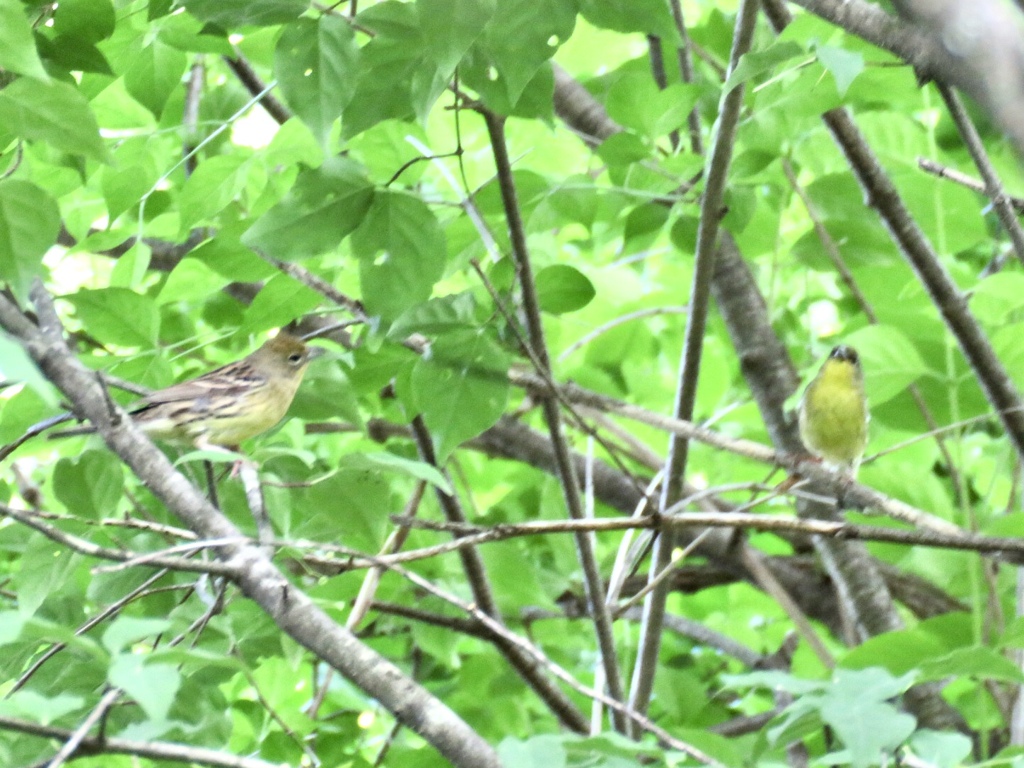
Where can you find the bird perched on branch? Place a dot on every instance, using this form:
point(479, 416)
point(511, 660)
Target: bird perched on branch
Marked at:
point(834, 411)
point(222, 408)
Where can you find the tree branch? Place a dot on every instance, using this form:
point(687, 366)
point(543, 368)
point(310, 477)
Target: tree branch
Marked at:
point(259, 579)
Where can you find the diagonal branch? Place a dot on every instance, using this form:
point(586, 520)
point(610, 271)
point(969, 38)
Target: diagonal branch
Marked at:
point(292, 610)
point(549, 403)
point(716, 169)
point(483, 596)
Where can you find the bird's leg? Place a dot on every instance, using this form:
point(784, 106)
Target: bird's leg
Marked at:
point(211, 485)
point(203, 444)
point(848, 478)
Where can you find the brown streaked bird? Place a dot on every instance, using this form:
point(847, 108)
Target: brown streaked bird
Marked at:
point(222, 408)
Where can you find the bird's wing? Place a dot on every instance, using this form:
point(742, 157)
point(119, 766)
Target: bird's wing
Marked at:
point(233, 379)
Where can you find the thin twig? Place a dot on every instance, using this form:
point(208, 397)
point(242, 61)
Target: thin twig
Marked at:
point(552, 416)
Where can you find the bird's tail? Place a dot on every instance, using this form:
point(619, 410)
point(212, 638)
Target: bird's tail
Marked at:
point(83, 430)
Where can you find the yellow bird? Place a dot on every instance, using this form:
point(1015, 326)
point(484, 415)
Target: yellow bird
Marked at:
point(228, 405)
point(834, 411)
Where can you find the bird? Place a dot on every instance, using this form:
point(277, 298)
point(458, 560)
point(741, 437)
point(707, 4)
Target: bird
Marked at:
point(834, 411)
point(220, 409)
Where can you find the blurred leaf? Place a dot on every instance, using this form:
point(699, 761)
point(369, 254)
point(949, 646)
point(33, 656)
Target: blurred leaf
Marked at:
point(54, 112)
point(352, 508)
point(844, 65)
point(280, 301)
point(316, 65)
point(126, 630)
point(325, 204)
point(972, 662)
point(152, 686)
point(44, 709)
point(938, 749)
point(461, 387)
point(240, 13)
point(389, 462)
point(90, 485)
point(399, 78)
point(90, 20)
point(29, 223)
point(757, 62)
point(561, 289)
point(211, 188)
point(648, 16)
point(401, 253)
point(124, 186)
point(890, 361)
point(449, 27)
point(46, 568)
point(118, 316)
point(17, 48)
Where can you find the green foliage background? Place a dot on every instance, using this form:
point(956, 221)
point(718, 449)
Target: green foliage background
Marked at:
point(377, 185)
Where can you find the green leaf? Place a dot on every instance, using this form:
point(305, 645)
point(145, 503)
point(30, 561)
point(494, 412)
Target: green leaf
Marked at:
point(435, 316)
point(843, 64)
point(191, 281)
point(45, 569)
point(755, 63)
point(461, 387)
point(154, 75)
point(124, 186)
point(546, 750)
point(87, 20)
point(996, 298)
point(211, 455)
point(226, 256)
point(509, 63)
point(241, 13)
point(647, 16)
point(351, 506)
point(29, 223)
point(17, 366)
point(389, 462)
point(899, 652)
point(213, 185)
point(75, 54)
point(325, 204)
point(643, 223)
point(398, 78)
point(976, 661)
point(17, 47)
point(130, 269)
point(53, 112)
point(280, 301)
point(637, 103)
point(187, 33)
point(561, 289)
point(11, 623)
point(940, 749)
point(89, 485)
point(890, 361)
point(449, 27)
point(623, 149)
point(152, 686)
point(401, 251)
point(43, 709)
point(118, 316)
point(856, 706)
point(126, 630)
point(316, 65)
